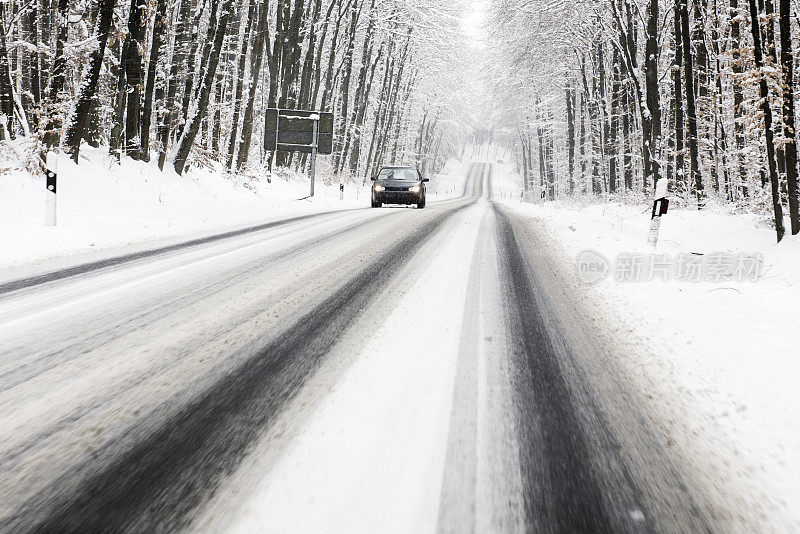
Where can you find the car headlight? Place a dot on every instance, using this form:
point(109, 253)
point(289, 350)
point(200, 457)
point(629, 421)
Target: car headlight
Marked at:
point(414, 189)
point(379, 188)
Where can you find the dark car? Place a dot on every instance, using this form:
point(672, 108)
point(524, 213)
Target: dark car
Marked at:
point(398, 185)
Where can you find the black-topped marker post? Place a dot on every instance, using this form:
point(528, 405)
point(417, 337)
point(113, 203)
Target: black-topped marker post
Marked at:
point(660, 206)
point(50, 194)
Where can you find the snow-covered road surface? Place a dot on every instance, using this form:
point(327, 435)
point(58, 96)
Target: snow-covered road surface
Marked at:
point(391, 370)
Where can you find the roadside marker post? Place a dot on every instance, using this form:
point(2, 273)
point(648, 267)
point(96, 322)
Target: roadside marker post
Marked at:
point(341, 191)
point(50, 207)
point(660, 206)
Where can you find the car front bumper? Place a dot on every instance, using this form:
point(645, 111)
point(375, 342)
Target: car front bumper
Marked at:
point(397, 197)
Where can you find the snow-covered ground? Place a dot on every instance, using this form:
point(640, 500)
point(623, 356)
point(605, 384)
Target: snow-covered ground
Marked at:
point(720, 355)
point(103, 205)
point(385, 422)
point(715, 361)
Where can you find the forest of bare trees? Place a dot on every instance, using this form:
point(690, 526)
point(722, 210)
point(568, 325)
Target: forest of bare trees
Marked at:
point(599, 97)
point(699, 92)
point(187, 81)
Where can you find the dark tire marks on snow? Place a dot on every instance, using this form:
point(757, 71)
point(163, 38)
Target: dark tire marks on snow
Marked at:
point(85, 268)
point(562, 492)
point(581, 472)
point(158, 483)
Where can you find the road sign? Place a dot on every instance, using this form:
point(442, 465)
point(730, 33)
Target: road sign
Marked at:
point(294, 130)
point(291, 130)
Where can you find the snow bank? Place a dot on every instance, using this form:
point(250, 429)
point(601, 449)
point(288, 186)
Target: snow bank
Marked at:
point(729, 348)
point(449, 182)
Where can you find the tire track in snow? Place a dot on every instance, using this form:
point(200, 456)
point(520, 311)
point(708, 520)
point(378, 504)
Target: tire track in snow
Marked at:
point(563, 495)
point(159, 482)
point(583, 471)
point(458, 499)
point(77, 270)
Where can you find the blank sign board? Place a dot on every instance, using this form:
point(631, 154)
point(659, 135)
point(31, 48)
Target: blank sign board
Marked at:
point(295, 130)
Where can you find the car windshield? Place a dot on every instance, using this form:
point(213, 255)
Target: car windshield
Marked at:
point(406, 175)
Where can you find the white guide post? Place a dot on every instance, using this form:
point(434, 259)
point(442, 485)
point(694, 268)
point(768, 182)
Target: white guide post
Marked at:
point(50, 195)
point(660, 205)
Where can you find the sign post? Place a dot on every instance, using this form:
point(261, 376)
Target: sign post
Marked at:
point(50, 195)
point(660, 206)
point(277, 135)
point(292, 130)
point(314, 148)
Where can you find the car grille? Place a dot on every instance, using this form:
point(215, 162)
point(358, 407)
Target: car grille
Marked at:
point(397, 189)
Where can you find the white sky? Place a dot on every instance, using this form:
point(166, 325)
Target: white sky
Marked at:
point(473, 23)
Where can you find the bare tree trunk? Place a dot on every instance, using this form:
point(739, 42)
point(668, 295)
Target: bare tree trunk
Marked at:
point(653, 99)
point(207, 80)
point(211, 31)
point(704, 113)
point(787, 60)
point(771, 61)
point(170, 117)
point(247, 40)
point(115, 136)
point(570, 136)
point(651, 112)
point(328, 85)
point(80, 115)
point(549, 155)
point(292, 55)
point(31, 90)
point(132, 65)
point(602, 106)
point(767, 111)
point(379, 114)
point(542, 171)
point(612, 140)
point(738, 97)
point(524, 162)
point(720, 139)
point(318, 55)
point(627, 144)
point(304, 99)
point(52, 132)
point(257, 56)
point(6, 87)
point(157, 54)
point(680, 170)
point(594, 128)
point(189, 56)
point(690, 107)
point(360, 103)
point(392, 108)
point(355, 155)
point(582, 146)
point(344, 119)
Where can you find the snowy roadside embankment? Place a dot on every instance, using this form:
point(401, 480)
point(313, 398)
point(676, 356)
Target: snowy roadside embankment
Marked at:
point(720, 352)
point(105, 205)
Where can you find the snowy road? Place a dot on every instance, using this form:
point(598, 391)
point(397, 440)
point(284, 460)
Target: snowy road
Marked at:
point(365, 370)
